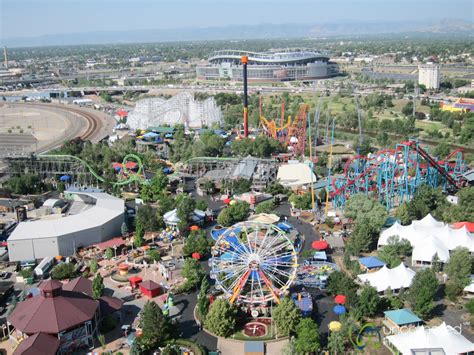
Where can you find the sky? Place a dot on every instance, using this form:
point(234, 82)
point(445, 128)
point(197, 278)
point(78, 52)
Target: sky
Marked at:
point(30, 18)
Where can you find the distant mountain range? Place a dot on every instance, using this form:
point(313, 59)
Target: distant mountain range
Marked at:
point(261, 31)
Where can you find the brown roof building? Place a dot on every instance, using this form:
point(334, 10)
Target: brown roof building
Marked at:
point(70, 316)
point(38, 344)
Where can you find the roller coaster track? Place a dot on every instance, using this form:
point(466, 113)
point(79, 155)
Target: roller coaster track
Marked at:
point(131, 177)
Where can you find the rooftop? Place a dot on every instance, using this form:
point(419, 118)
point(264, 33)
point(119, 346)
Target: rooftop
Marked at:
point(402, 316)
point(100, 207)
point(371, 262)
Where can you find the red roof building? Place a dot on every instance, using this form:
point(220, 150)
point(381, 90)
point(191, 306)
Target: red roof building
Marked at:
point(79, 284)
point(38, 344)
point(150, 288)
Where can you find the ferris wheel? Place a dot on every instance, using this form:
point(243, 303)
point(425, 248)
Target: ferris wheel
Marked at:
point(253, 263)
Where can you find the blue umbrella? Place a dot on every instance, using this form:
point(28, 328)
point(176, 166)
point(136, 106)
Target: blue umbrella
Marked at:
point(65, 178)
point(339, 309)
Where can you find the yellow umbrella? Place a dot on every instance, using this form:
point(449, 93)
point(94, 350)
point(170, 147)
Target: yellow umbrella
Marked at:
point(233, 202)
point(335, 326)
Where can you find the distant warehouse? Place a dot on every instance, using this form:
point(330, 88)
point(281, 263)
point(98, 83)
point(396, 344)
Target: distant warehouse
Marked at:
point(272, 66)
point(93, 217)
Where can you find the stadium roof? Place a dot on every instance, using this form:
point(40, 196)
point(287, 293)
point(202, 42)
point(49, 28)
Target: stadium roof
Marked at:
point(104, 208)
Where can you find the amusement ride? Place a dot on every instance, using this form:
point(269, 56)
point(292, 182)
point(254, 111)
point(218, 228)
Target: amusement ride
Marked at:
point(253, 263)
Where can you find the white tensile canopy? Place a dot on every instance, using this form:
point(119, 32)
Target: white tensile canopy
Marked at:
point(431, 235)
point(441, 337)
point(396, 278)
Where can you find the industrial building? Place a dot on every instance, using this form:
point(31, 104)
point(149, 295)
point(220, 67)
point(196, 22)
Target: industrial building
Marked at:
point(429, 75)
point(272, 66)
point(91, 218)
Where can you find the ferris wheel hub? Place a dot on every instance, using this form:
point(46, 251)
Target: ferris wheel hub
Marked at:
point(253, 261)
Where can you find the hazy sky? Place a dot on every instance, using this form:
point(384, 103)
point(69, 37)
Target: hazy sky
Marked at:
point(28, 18)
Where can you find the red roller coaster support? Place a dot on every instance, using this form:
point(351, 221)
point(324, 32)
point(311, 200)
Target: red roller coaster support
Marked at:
point(435, 165)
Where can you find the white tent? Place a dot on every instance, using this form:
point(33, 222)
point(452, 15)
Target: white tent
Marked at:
point(442, 337)
point(426, 248)
point(295, 174)
point(441, 238)
point(171, 218)
point(396, 278)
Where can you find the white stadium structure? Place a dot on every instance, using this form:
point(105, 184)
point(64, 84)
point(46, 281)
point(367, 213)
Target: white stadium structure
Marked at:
point(93, 217)
point(180, 109)
point(283, 65)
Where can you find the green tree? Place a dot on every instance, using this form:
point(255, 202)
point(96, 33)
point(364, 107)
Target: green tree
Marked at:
point(403, 215)
point(196, 242)
point(276, 188)
point(459, 267)
point(171, 349)
point(336, 343)
point(193, 272)
point(221, 318)
point(203, 299)
point(138, 240)
point(395, 250)
point(124, 230)
point(232, 214)
point(341, 284)
point(63, 271)
point(94, 266)
point(154, 325)
point(185, 207)
point(301, 202)
point(155, 188)
point(265, 207)
point(109, 253)
point(286, 316)
point(422, 291)
point(369, 302)
point(201, 205)
point(307, 337)
point(154, 255)
point(427, 200)
point(98, 286)
point(146, 217)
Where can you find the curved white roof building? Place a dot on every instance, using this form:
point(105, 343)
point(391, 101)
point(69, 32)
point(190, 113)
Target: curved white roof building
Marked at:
point(283, 65)
point(93, 217)
point(429, 237)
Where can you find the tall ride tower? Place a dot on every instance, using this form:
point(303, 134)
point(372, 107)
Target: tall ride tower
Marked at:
point(5, 55)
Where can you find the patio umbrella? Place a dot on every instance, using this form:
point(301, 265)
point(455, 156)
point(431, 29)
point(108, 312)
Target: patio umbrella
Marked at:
point(339, 310)
point(340, 299)
point(65, 178)
point(196, 256)
point(227, 201)
point(320, 245)
point(194, 228)
point(335, 326)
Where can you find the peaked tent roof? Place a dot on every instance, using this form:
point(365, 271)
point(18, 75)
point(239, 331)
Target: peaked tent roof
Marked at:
point(402, 316)
point(468, 225)
point(38, 344)
point(441, 337)
point(428, 247)
point(381, 280)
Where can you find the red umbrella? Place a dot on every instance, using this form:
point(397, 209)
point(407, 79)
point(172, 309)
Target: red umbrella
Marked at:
point(196, 255)
point(227, 201)
point(122, 113)
point(194, 228)
point(320, 245)
point(340, 299)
